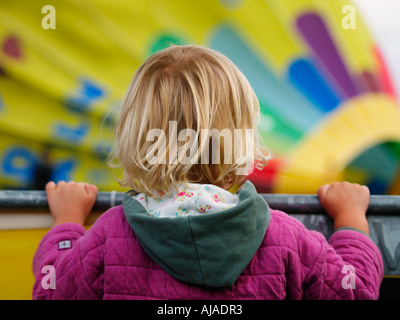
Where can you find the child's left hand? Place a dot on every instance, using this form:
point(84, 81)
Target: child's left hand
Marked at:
point(70, 201)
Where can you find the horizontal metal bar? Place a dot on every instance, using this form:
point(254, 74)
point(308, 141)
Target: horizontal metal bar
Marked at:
point(289, 203)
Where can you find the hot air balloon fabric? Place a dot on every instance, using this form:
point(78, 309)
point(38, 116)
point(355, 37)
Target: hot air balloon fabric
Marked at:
point(328, 108)
point(329, 111)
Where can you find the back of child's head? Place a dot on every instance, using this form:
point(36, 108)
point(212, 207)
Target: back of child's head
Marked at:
point(176, 96)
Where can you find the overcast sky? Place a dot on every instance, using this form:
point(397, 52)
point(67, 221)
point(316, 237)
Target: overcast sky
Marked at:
point(383, 19)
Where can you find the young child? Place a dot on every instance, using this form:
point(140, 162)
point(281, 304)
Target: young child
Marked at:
point(192, 228)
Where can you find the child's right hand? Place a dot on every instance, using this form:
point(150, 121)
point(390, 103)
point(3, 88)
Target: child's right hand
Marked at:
point(70, 201)
point(346, 203)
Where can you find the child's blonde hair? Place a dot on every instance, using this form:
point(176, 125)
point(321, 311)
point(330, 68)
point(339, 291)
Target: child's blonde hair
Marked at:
point(195, 88)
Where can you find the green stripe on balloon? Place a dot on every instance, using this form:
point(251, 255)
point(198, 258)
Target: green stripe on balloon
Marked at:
point(277, 136)
point(377, 165)
point(164, 41)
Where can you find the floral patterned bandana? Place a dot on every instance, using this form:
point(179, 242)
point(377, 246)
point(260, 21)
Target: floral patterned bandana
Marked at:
point(194, 199)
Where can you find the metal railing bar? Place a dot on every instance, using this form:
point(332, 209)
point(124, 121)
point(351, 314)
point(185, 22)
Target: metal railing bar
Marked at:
point(289, 203)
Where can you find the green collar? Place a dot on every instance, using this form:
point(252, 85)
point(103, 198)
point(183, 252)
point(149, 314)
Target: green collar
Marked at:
point(209, 250)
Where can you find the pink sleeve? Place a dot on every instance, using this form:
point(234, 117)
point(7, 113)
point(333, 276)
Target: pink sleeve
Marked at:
point(68, 264)
point(362, 255)
point(350, 266)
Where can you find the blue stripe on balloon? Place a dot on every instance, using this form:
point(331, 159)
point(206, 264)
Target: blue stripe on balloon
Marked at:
point(283, 101)
point(18, 162)
point(73, 134)
point(83, 99)
point(63, 170)
point(306, 78)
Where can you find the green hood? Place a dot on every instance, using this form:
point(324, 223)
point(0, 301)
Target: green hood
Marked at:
point(209, 250)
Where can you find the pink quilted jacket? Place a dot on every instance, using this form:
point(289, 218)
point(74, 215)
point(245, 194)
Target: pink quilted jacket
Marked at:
point(108, 262)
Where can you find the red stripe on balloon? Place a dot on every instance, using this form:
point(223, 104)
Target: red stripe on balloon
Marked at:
point(384, 74)
point(265, 180)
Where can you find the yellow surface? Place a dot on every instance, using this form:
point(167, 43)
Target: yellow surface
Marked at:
point(17, 248)
point(39, 124)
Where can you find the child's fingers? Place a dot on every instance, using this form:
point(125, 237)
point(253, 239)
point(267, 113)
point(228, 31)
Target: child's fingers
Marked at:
point(322, 190)
point(366, 189)
point(80, 184)
point(91, 189)
point(50, 186)
point(60, 184)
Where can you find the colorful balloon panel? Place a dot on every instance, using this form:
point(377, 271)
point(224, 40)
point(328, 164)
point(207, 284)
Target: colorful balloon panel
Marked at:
point(50, 121)
point(327, 100)
point(363, 169)
point(21, 158)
